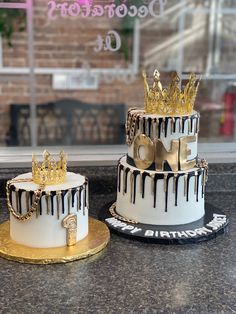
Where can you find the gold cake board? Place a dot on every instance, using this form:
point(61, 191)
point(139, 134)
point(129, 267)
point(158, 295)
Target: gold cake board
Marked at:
point(96, 240)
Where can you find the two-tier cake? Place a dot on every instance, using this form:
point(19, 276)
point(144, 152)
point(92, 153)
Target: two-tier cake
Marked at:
point(161, 180)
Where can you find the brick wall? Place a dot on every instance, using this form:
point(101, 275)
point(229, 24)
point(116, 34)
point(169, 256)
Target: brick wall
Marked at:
point(69, 43)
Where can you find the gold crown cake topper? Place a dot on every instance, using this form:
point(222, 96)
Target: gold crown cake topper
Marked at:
point(50, 171)
point(171, 100)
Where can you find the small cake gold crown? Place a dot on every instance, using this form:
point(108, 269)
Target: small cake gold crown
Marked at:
point(50, 171)
point(171, 100)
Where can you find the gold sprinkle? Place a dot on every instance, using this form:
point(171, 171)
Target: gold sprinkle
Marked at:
point(153, 182)
point(174, 182)
point(47, 198)
point(141, 181)
point(180, 124)
point(153, 132)
point(165, 182)
point(58, 203)
point(157, 123)
point(172, 125)
point(163, 124)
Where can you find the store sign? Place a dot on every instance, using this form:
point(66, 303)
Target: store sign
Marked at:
point(85, 8)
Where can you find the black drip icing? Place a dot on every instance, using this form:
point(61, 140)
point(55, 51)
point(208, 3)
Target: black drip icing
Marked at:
point(63, 193)
point(197, 186)
point(144, 175)
point(20, 196)
point(144, 125)
point(73, 192)
point(85, 194)
point(119, 176)
point(203, 174)
point(159, 127)
point(166, 179)
point(167, 189)
point(191, 124)
point(155, 190)
point(166, 126)
point(52, 194)
point(149, 126)
point(176, 190)
point(126, 177)
point(40, 206)
point(31, 197)
point(80, 194)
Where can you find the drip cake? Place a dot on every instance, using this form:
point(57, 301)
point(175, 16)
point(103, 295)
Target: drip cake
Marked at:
point(161, 179)
point(49, 210)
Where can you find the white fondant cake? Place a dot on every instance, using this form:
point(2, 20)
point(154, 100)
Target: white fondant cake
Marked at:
point(160, 180)
point(45, 228)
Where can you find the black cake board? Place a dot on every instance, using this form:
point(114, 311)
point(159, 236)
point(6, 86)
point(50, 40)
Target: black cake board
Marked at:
point(213, 223)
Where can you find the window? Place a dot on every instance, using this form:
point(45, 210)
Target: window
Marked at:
point(68, 80)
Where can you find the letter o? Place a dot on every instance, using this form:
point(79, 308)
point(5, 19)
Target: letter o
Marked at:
point(143, 141)
point(133, 10)
point(73, 7)
point(143, 11)
point(121, 8)
point(109, 41)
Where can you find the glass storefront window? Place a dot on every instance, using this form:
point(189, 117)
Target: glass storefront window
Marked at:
point(68, 80)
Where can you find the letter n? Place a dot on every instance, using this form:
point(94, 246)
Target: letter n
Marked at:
point(172, 156)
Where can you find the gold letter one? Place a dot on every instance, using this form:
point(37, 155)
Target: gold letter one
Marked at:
point(172, 156)
point(184, 152)
point(70, 223)
point(145, 142)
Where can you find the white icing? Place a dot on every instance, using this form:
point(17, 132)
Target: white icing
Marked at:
point(166, 140)
point(72, 180)
point(143, 210)
point(46, 230)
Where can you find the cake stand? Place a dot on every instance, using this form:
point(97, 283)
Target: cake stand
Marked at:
point(213, 223)
point(96, 241)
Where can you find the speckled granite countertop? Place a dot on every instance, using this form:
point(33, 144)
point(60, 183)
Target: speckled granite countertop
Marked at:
point(130, 276)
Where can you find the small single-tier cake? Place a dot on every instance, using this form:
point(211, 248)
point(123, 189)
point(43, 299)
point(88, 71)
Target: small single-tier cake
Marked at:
point(48, 207)
point(161, 180)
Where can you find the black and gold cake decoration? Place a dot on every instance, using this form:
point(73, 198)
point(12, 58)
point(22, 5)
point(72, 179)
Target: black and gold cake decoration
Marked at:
point(70, 223)
point(162, 161)
point(157, 127)
point(51, 172)
point(166, 176)
point(155, 156)
point(171, 100)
